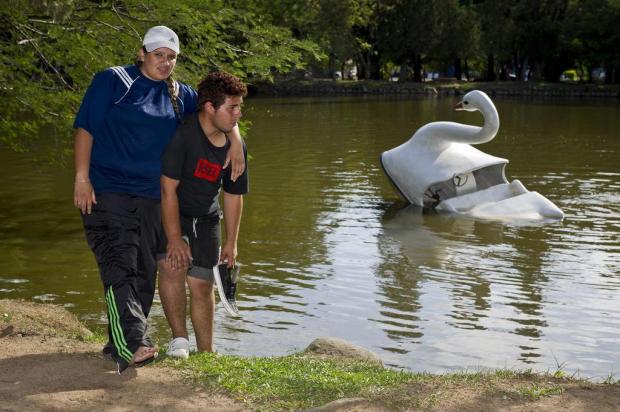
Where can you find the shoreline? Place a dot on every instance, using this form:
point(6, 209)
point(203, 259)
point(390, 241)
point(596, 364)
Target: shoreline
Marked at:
point(326, 87)
point(50, 361)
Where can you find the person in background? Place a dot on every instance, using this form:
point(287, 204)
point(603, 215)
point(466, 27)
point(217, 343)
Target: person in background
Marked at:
point(194, 171)
point(127, 118)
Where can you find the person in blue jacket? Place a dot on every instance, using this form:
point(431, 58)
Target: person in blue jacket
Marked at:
point(127, 118)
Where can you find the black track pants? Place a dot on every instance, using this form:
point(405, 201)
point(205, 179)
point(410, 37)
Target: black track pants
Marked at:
point(123, 232)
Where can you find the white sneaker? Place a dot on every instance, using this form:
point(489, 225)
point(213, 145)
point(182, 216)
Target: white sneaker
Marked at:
point(178, 348)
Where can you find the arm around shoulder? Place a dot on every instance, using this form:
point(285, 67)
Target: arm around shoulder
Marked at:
point(236, 153)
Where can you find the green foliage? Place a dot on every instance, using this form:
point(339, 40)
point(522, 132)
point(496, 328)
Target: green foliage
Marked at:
point(297, 382)
point(408, 28)
point(536, 391)
point(416, 32)
point(290, 382)
point(609, 380)
point(51, 50)
point(593, 34)
point(458, 32)
point(328, 23)
point(98, 335)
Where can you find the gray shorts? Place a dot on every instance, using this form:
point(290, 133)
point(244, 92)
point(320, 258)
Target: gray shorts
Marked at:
point(203, 234)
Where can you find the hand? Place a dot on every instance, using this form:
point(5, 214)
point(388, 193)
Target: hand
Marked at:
point(84, 196)
point(237, 159)
point(229, 254)
point(178, 254)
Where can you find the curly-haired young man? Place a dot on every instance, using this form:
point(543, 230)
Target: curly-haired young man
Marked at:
point(192, 175)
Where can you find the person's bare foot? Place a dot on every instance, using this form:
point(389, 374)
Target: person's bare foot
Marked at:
point(144, 355)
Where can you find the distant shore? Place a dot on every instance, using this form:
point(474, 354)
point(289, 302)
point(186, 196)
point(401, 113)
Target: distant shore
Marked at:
point(327, 87)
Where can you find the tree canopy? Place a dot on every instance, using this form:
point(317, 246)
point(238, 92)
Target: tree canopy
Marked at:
point(537, 38)
point(51, 49)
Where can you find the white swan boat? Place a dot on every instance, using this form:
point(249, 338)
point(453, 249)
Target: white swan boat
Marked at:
point(437, 168)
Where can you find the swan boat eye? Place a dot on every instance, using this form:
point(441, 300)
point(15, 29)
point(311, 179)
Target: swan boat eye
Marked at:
point(465, 102)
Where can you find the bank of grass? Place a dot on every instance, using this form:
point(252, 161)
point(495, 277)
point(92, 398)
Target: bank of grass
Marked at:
point(298, 382)
point(289, 382)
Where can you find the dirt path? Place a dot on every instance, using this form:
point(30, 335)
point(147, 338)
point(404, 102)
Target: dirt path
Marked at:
point(43, 366)
point(55, 374)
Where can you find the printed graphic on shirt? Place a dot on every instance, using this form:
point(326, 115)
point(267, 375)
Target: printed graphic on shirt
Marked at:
point(207, 170)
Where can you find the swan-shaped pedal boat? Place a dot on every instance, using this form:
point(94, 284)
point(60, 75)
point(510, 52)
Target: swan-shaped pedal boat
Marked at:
point(437, 168)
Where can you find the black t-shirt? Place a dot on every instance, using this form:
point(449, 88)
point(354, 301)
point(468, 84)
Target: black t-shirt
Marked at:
point(193, 160)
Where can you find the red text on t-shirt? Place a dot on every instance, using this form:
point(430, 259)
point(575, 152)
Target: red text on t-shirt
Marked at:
point(207, 170)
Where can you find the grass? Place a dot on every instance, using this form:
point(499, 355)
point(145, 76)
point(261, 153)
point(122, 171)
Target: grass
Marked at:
point(610, 379)
point(99, 336)
point(535, 391)
point(7, 317)
point(297, 382)
point(289, 382)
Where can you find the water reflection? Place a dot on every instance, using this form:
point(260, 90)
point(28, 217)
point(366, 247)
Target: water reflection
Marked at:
point(492, 277)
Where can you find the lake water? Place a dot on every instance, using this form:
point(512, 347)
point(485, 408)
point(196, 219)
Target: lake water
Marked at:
point(329, 249)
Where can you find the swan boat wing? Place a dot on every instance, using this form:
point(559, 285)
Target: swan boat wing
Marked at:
point(424, 177)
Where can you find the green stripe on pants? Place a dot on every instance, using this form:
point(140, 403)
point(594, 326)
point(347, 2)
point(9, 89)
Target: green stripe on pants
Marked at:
point(115, 326)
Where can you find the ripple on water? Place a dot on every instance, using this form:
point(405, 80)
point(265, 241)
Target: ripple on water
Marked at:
point(14, 281)
point(46, 298)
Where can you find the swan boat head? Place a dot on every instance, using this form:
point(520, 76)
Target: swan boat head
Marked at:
point(438, 166)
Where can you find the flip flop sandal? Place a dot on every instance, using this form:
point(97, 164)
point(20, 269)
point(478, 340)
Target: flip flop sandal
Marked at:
point(226, 281)
point(145, 361)
point(123, 365)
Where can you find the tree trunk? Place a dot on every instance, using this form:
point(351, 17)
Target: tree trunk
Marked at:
point(362, 67)
point(490, 76)
point(366, 69)
point(374, 66)
point(525, 70)
point(534, 73)
point(331, 66)
point(361, 70)
point(466, 69)
point(607, 68)
point(417, 68)
point(402, 76)
point(458, 71)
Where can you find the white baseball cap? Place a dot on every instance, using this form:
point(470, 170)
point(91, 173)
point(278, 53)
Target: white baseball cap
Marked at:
point(161, 36)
